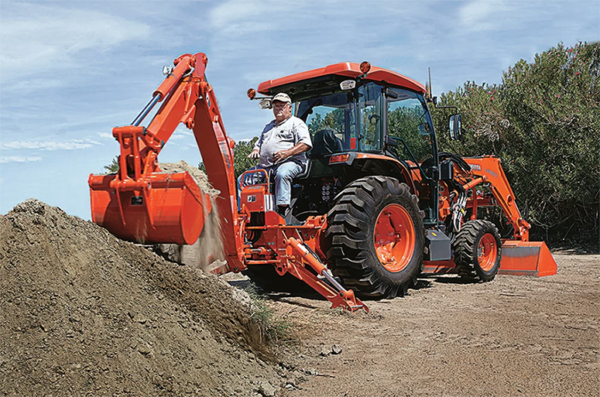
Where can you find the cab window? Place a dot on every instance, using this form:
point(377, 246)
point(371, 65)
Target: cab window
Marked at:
point(370, 99)
point(331, 121)
point(408, 123)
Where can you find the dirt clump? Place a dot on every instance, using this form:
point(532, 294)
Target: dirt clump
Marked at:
point(86, 313)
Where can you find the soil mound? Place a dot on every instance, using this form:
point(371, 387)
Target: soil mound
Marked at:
point(83, 312)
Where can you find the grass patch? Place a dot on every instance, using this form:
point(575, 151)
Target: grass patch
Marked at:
point(273, 327)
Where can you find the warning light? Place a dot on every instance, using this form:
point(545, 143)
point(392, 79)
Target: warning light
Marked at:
point(365, 67)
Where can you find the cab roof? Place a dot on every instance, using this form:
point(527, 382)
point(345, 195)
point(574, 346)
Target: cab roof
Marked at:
point(345, 69)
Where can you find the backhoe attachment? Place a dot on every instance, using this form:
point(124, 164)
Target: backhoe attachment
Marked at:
point(300, 255)
point(140, 203)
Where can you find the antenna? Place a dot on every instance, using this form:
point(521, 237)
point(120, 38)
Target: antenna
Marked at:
point(430, 91)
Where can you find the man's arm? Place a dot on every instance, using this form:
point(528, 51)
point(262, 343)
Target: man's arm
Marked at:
point(254, 154)
point(256, 151)
point(284, 154)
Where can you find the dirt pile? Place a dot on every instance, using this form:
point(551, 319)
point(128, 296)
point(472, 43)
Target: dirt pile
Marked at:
point(83, 312)
point(208, 251)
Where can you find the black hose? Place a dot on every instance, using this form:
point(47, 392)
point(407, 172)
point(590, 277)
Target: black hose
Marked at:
point(462, 164)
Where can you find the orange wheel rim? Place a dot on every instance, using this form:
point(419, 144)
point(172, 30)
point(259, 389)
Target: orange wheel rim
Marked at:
point(487, 252)
point(394, 238)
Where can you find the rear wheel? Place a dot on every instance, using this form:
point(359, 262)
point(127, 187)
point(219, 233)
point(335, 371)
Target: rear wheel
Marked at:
point(478, 251)
point(374, 238)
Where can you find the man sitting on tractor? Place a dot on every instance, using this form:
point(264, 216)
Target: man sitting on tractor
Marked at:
point(282, 149)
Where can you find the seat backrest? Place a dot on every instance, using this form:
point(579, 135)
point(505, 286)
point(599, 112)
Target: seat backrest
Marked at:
point(306, 171)
point(325, 142)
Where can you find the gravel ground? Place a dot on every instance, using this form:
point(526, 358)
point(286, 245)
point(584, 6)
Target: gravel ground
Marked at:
point(515, 336)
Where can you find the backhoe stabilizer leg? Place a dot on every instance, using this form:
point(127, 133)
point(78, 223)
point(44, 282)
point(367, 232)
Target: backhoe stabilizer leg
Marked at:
point(334, 292)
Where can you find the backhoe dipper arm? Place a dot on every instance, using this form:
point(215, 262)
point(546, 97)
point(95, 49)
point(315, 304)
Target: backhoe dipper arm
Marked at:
point(489, 169)
point(217, 153)
point(141, 145)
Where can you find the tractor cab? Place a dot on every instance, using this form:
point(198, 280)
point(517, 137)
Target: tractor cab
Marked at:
point(362, 122)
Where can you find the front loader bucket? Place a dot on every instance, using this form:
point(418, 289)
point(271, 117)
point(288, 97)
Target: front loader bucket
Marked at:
point(162, 208)
point(527, 258)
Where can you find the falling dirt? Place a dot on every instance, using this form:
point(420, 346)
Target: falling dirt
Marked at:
point(84, 313)
point(208, 251)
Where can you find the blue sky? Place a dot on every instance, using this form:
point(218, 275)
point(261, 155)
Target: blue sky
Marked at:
point(72, 70)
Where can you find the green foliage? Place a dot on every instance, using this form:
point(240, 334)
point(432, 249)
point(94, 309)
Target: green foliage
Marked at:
point(241, 161)
point(333, 120)
point(408, 124)
point(272, 327)
point(113, 167)
point(543, 121)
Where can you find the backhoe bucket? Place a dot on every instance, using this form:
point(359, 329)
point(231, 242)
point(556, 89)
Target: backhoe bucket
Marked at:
point(161, 208)
point(527, 258)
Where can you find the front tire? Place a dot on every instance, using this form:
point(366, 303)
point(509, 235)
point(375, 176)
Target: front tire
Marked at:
point(375, 237)
point(478, 251)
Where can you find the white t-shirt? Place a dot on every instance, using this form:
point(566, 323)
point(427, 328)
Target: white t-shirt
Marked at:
point(282, 136)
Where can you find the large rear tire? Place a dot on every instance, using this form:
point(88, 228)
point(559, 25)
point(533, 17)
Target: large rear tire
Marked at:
point(478, 251)
point(375, 237)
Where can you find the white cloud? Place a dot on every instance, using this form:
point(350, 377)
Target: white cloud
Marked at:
point(246, 16)
point(482, 15)
point(19, 159)
point(181, 132)
point(106, 135)
point(38, 39)
point(75, 144)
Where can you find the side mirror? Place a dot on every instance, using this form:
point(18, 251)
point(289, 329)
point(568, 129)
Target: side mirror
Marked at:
point(265, 103)
point(455, 127)
point(373, 118)
point(389, 141)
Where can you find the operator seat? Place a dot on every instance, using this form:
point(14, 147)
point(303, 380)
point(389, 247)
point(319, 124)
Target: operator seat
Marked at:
point(325, 142)
point(306, 171)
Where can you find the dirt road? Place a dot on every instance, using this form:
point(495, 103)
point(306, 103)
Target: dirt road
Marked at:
point(516, 336)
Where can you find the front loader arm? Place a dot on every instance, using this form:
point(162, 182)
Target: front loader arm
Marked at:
point(488, 169)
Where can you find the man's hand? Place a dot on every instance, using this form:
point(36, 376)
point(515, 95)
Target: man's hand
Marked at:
point(280, 156)
point(255, 154)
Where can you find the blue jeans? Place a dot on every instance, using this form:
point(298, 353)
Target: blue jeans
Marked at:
point(284, 174)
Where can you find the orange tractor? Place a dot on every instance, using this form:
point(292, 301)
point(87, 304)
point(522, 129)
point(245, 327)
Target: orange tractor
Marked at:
point(377, 206)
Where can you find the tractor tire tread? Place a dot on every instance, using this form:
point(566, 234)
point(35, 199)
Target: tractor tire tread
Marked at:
point(465, 251)
point(348, 244)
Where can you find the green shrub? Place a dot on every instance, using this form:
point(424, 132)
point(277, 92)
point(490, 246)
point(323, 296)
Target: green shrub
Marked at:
point(543, 121)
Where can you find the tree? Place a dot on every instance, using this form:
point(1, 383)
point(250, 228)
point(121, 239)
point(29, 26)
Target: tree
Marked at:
point(241, 161)
point(543, 121)
point(113, 167)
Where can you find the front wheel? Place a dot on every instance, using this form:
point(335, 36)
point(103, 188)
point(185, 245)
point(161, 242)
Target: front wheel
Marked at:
point(375, 237)
point(478, 251)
